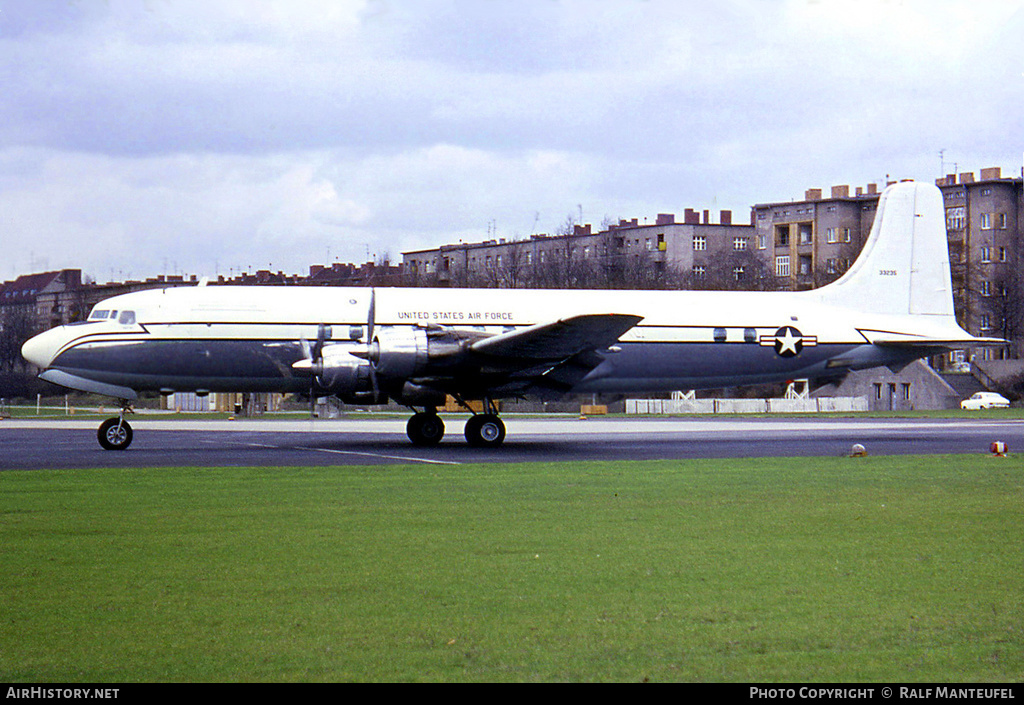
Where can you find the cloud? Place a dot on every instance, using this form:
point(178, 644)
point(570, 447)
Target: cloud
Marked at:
point(196, 136)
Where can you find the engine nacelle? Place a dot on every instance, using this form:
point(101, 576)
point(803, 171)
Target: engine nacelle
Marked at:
point(339, 371)
point(399, 353)
point(369, 374)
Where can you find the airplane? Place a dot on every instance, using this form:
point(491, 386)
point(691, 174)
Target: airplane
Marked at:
point(418, 346)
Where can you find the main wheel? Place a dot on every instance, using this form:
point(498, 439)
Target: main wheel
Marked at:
point(114, 434)
point(425, 429)
point(485, 431)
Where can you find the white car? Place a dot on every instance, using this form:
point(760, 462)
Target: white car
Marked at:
point(985, 400)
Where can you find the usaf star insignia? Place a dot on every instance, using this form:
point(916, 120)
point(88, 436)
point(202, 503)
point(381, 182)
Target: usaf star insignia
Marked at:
point(788, 341)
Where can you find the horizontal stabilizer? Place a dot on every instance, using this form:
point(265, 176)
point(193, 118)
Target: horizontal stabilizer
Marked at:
point(558, 340)
point(898, 340)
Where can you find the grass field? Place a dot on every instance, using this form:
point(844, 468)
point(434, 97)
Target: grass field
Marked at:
point(871, 569)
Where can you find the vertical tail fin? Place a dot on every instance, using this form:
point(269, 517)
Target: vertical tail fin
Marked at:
point(904, 266)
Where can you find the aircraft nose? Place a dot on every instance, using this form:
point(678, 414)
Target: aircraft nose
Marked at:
point(40, 349)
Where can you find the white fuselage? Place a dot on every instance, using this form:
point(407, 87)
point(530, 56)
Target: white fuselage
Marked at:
point(247, 338)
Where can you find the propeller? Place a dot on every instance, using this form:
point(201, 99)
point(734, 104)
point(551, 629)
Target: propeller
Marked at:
point(372, 352)
point(314, 362)
point(370, 321)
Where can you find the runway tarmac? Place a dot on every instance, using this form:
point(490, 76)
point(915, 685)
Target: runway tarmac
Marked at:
point(39, 444)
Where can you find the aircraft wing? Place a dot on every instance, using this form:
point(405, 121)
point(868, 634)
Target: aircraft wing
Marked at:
point(559, 340)
point(548, 359)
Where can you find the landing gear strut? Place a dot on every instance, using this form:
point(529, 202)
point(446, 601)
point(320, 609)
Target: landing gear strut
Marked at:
point(116, 433)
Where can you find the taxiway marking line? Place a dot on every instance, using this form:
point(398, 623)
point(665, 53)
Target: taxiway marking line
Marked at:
point(349, 452)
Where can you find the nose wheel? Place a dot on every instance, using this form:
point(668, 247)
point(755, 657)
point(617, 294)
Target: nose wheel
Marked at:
point(116, 433)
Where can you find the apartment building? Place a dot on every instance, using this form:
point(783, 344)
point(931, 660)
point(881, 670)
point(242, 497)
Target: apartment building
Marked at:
point(532, 261)
point(983, 224)
point(812, 242)
point(695, 253)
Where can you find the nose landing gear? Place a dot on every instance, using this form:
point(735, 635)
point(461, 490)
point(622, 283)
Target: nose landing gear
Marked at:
point(116, 433)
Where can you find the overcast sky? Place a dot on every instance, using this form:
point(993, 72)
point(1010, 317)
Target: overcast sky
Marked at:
point(210, 136)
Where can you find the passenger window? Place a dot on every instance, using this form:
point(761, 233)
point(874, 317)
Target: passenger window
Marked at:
point(98, 315)
point(127, 318)
point(719, 335)
point(749, 335)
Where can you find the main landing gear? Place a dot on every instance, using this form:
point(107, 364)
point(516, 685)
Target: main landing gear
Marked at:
point(485, 430)
point(116, 433)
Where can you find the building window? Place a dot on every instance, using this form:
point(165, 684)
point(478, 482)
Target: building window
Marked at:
point(956, 218)
point(986, 254)
point(986, 221)
point(699, 271)
point(700, 243)
point(830, 236)
point(846, 235)
point(986, 288)
point(1002, 254)
point(830, 266)
point(1002, 221)
point(986, 321)
point(805, 230)
point(738, 273)
point(906, 391)
point(739, 243)
point(782, 266)
point(782, 236)
point(762, 242)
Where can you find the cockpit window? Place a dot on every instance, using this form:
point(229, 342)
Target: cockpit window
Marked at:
point(98, 315)
point(127, 318)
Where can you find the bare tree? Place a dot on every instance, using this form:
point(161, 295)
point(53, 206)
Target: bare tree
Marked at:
point(17, 324)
